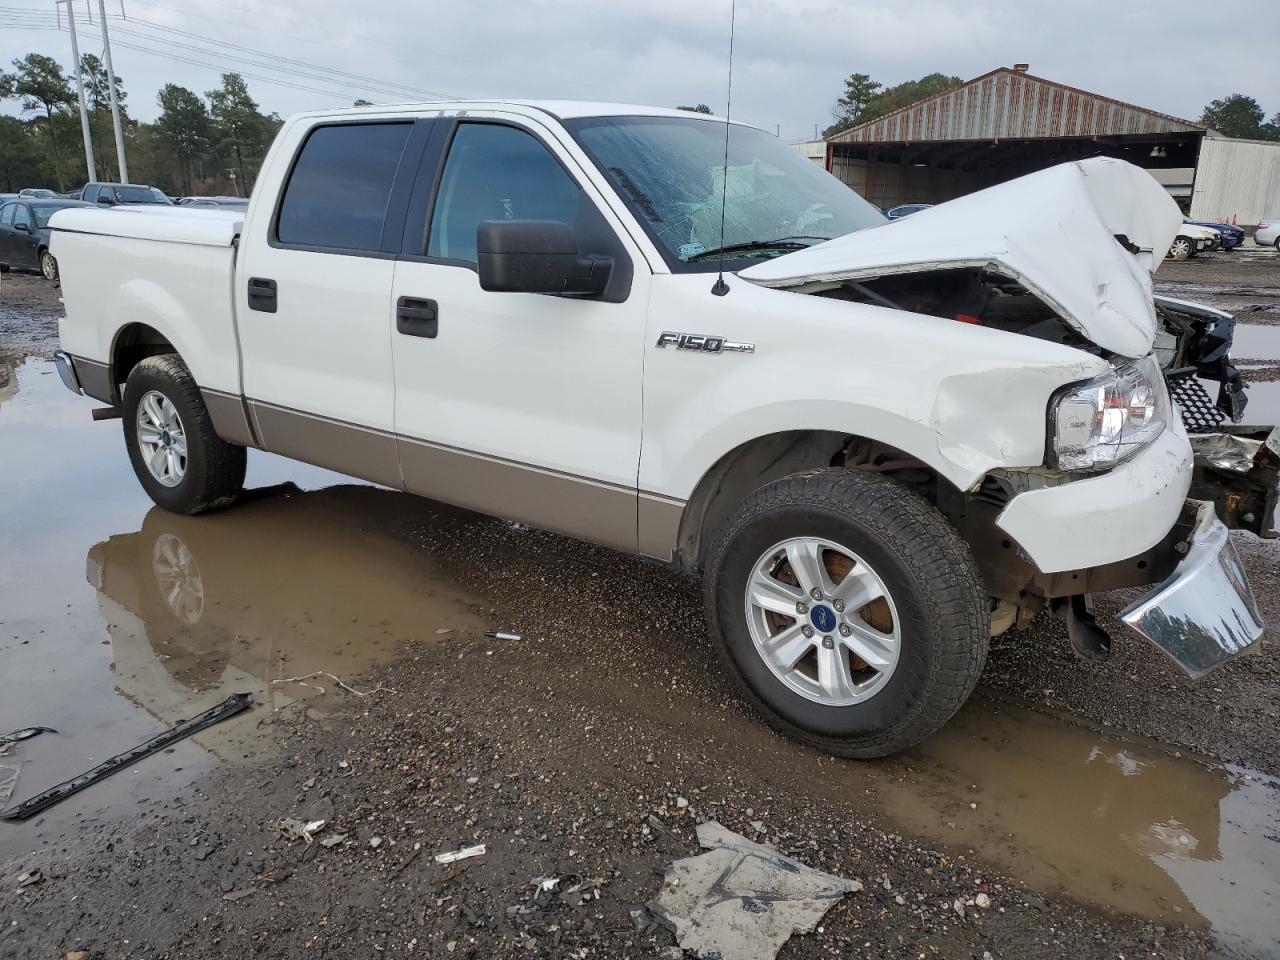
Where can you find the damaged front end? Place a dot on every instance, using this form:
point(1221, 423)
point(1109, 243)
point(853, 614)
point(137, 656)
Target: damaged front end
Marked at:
point(1067, 256)
point(1237, 467)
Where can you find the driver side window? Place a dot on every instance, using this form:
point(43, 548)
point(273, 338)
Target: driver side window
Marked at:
point(496, 172)
point(21, 216)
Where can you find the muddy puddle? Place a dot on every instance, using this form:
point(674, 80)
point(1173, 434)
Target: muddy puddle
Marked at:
point(1118, 823)
point(118, 619)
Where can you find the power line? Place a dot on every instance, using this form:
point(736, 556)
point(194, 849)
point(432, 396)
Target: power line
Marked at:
point(299, 69)
point(372, 81)
point(30, 20)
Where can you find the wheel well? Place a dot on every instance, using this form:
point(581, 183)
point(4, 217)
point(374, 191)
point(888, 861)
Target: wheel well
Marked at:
point(134, 343)
point(753, 464)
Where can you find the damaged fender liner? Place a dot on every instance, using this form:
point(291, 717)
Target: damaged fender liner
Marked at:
point(43, 801)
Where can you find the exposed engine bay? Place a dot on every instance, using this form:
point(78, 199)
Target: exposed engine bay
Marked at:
point(1237, 467)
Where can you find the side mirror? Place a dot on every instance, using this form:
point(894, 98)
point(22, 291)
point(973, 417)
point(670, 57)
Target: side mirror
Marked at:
point(537, 256)
point(106, 202)
point(23, 227)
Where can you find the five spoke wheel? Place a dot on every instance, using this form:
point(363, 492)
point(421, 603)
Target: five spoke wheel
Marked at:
point(823, 621)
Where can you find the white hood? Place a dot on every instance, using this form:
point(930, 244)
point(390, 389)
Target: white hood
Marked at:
point(1054, 231)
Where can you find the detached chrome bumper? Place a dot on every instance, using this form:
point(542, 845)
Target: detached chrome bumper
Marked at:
point(67, 371)
point(1204, 614)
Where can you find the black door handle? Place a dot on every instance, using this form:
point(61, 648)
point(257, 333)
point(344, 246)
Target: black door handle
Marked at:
point(417, 318)
point(262, 294)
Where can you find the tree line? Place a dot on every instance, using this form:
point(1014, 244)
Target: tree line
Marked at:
point(210, 144)
point(865, 99)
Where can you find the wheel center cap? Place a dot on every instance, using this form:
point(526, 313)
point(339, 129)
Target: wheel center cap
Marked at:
point(823, 618)
point(166, 438)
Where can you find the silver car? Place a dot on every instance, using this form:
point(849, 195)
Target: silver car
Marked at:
point(1268, 233)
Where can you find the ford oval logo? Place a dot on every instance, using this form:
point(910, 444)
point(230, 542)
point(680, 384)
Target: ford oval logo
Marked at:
point(823, 618)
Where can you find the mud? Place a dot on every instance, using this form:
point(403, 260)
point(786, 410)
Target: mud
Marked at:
point(1106, 810)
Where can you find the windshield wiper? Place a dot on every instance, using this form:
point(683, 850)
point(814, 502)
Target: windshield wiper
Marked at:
point(782, 243)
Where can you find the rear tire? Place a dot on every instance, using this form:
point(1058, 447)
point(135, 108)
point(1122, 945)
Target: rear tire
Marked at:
point(873, 538)
point(180, 461)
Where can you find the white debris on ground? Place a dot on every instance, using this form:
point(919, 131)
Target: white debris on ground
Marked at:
point(742, 900)
point(464, 854)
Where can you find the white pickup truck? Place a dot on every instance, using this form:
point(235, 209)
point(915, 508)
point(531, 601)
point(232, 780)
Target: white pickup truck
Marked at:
point(877, 445)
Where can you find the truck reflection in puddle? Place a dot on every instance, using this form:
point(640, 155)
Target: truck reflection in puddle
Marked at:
point(283, 586)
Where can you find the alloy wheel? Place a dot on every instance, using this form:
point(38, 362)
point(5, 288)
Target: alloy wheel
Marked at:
point(162, 439)
point(823, 621)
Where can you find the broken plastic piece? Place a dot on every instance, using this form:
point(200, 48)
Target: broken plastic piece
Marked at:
point(499, 635)
point(463, 854)
point(296, 829)
point(743, 900)
point(228, 708)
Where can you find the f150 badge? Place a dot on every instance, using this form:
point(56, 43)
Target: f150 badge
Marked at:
point(702, 343)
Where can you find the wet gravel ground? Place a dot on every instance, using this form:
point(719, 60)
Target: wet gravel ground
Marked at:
point(568, 752)
point(29, 311)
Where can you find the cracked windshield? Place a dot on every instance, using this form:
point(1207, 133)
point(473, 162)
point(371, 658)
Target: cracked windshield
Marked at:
point(672, 173)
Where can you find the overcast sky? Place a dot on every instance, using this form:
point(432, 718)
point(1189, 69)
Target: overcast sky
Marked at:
point(791, 55)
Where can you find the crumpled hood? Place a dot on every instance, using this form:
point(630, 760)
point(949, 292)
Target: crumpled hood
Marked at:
point(1054, 231)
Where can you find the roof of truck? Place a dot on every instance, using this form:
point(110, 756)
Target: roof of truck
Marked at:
point(561, 109)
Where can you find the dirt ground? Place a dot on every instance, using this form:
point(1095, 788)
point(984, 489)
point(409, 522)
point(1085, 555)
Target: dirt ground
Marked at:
point(1111, 810)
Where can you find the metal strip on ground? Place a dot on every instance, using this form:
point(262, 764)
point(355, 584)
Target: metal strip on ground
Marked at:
point(43, 801)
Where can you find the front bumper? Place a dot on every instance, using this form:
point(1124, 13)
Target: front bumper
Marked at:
point(1106, 518)
point(1204, 614)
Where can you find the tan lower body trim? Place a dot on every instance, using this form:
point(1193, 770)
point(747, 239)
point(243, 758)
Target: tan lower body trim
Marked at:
point(230, 417)
point(357, 451)
point(586, 509)
point(589, 510)
point(659, 525)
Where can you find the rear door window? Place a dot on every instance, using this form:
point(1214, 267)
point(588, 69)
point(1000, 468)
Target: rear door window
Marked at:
point(6, 214)
point(336, 197)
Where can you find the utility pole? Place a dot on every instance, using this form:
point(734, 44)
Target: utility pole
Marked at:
point(111, 85)
point(84, 111)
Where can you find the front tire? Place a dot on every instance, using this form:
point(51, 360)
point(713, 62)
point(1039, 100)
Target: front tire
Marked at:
point(850, 613)
point(48, 266)
point(184, 466)
point(1181, 249)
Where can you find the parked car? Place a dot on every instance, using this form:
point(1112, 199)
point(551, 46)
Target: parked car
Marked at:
point(38, 193)
point(1267, 233)
point(24, 234)
point(1192, 240)
point(876, 448)
point(905, 210)
point(129, 194)
point(1229, 235)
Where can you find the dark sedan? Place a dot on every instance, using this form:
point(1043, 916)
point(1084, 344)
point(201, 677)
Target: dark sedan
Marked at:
point(24, 234)
point(1232, 236)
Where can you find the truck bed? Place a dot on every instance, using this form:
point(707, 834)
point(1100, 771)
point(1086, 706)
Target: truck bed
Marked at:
point(166, 268)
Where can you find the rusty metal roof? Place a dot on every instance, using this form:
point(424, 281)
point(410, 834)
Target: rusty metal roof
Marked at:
point(1014, 105)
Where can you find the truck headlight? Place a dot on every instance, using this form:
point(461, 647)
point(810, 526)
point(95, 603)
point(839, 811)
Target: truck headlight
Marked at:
point(1102, 422)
